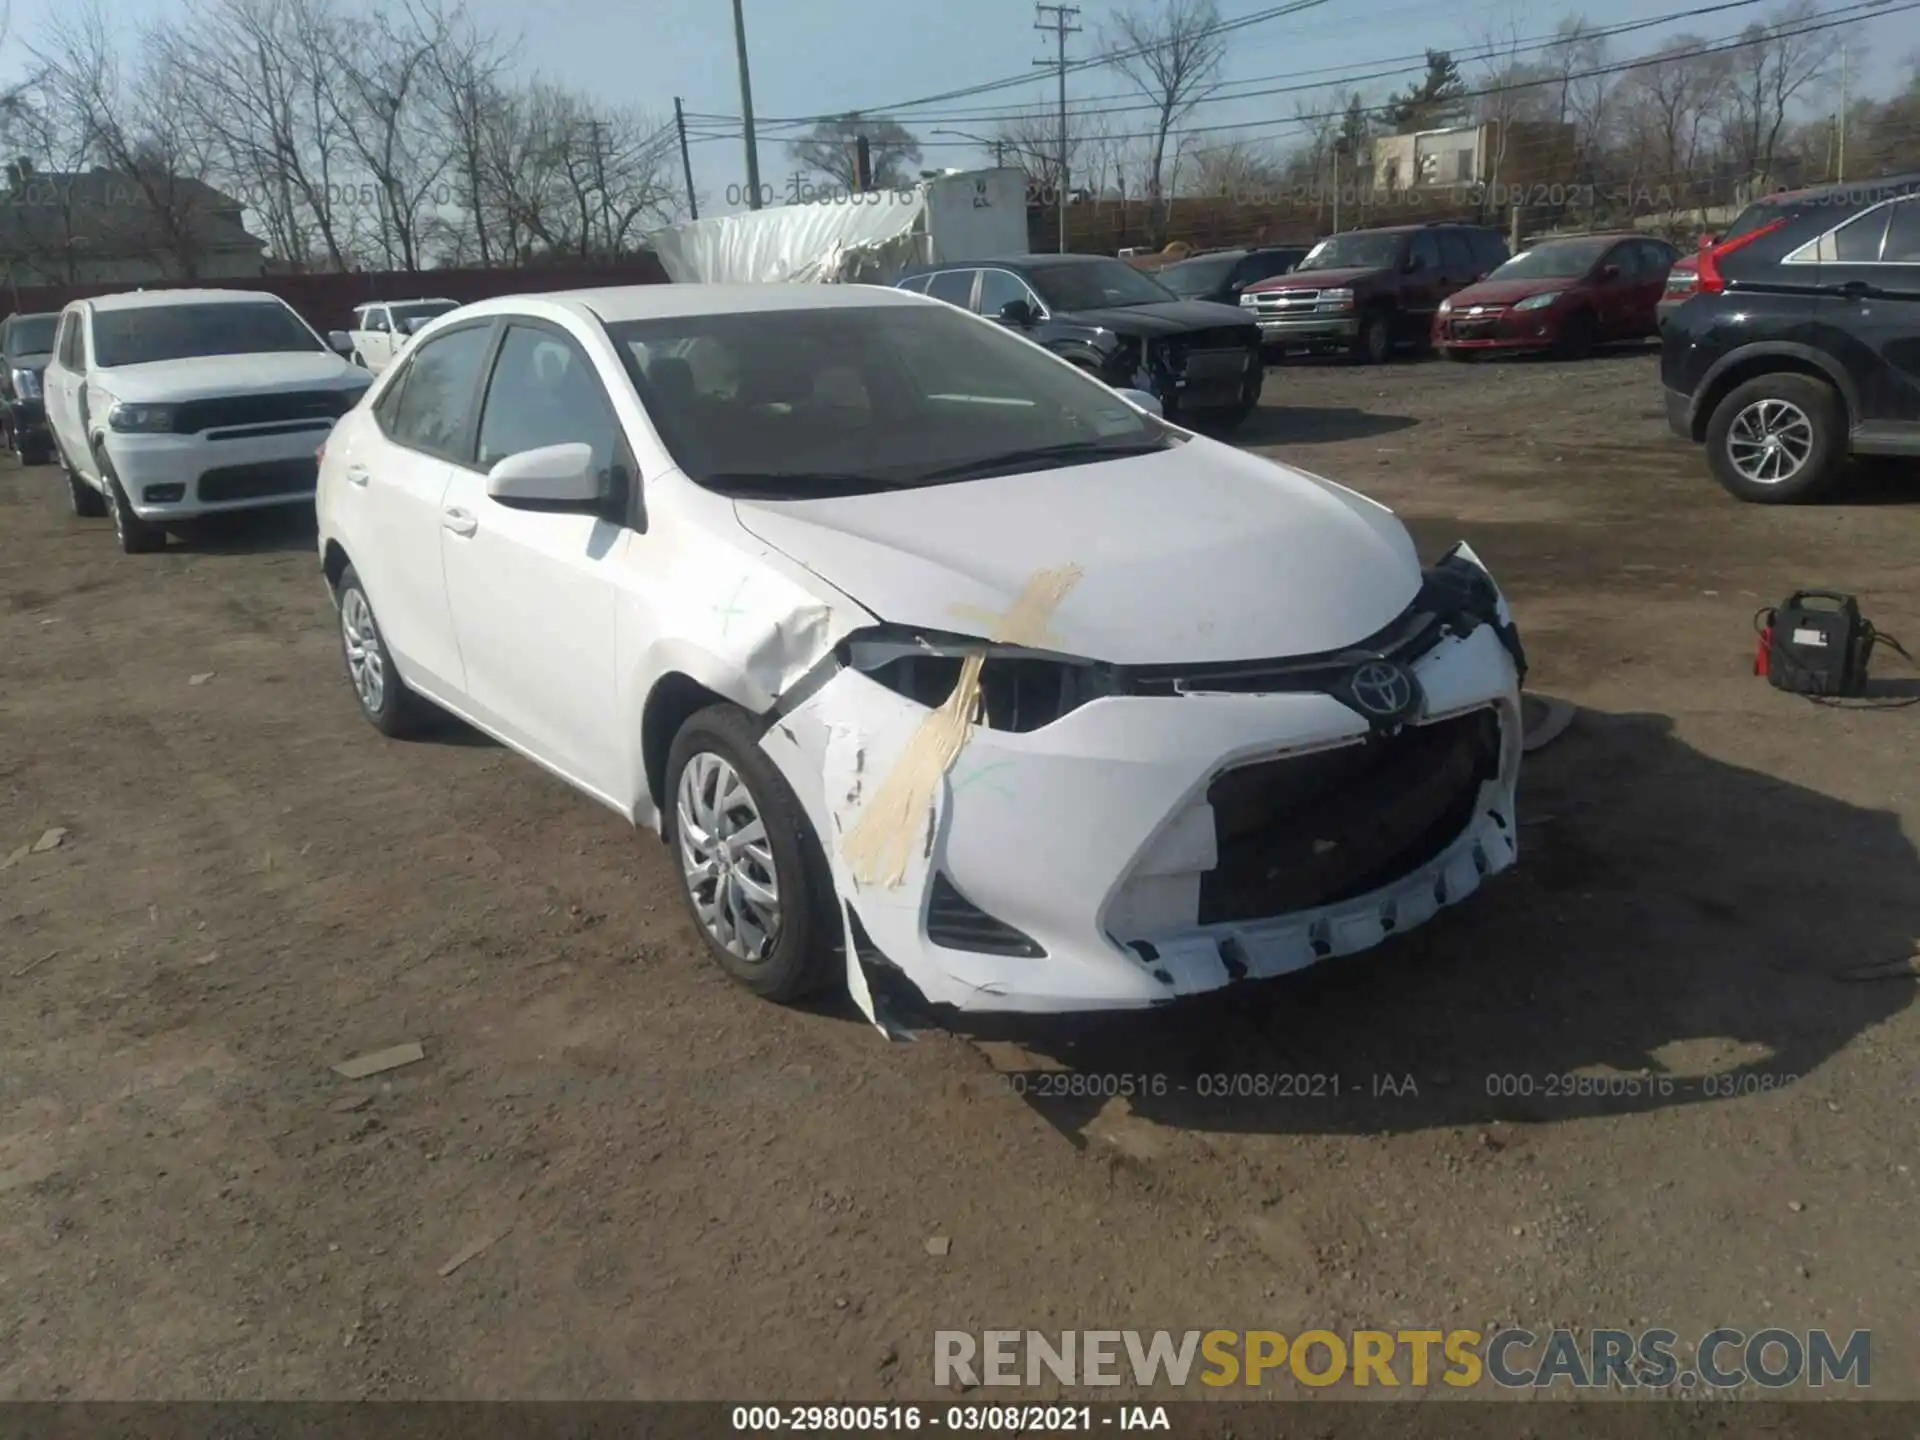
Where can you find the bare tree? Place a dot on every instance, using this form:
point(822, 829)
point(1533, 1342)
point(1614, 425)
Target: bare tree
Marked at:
point(154, 202)
point(1173, 52)
point(1765, 75)
point(467, 72)
point(831, 147)
point(1508, 95)
point(46, 209)
point(1667, 115)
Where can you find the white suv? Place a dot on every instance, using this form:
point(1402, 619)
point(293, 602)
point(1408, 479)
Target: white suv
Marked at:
point(382, 329)
point(167, 405)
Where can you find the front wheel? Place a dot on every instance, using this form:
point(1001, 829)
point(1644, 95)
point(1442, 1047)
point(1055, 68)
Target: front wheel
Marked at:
point(87, 502)
point(35, 452)
point(1778, 439)
point(1374, 344)
point(136, 536)
point(1579, 333)
point(751, 871)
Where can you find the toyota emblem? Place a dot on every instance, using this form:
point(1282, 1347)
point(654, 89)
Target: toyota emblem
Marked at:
point(1381, 690)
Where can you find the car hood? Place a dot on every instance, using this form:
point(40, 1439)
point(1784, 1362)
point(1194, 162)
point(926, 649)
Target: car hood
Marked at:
point(1168, 317)
point(1198, 554)
point(1317, 279)
point(1507, 292)
point(36, 361)
point(208, 376)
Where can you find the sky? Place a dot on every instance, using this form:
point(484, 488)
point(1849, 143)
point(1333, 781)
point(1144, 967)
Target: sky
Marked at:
point(810, 57)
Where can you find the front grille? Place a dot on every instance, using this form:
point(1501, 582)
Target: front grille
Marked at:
point(229, 410)
point(1311, 830)
point(1236, 338)
point(257, 482)
point(1286, 299)
point(1406, 639)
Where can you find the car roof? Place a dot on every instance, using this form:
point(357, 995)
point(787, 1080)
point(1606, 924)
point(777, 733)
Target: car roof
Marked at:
point(617, 303)
point(149, 299)
point(1609, 236)
point(1867, 191)
point(1420, 225)
point(417, 300)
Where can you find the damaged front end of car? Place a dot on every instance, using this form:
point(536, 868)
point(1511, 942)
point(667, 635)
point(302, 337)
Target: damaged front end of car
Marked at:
point(1010, 828)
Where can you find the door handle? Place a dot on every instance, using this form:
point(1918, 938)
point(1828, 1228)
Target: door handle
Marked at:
point(1856, 290)
point(356, 474)
point(460, 522)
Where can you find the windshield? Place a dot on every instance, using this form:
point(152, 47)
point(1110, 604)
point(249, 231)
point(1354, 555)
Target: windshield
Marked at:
point(1565, 260)
point(1198, 277)
point(1356, 250)
point(151, 333)
point(1097, 285)
point(800, 404)
point(31, 334)
point(414, 317)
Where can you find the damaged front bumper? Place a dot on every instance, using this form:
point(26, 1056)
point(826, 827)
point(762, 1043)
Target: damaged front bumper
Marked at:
point(1168, 837)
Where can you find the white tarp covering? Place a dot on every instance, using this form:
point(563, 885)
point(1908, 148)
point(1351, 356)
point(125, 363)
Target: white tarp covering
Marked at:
point(848, 239)
point(860, 237)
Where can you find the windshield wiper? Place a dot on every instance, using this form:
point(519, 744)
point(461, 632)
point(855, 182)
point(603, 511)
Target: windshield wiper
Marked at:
point(794, 484)
point(1070, 451)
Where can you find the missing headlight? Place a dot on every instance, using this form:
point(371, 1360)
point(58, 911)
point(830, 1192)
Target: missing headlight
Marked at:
point(1020, 690)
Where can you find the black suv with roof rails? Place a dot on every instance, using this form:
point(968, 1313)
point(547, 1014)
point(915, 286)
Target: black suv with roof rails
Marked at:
point(1118, 323)
point(1801, 342)
point(1220, 275)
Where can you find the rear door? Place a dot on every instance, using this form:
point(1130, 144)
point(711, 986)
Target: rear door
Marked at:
point(1863, 315)
point(390, 508)
point(1656, 263)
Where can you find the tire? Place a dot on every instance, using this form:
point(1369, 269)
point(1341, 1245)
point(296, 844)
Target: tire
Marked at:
point(88, 503)
point(390, 707)
point(1808, 417)
point(136, 536)
point(36, 452)
point(794, 956)
point(1579, 333)
point(1219, 422)
point(1455, 354)
point(1374, 344)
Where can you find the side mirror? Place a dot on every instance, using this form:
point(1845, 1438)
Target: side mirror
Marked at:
point(552, 477)
point(340, 341)
point(1609, 272)
point(1140, 398)
point(1017, 312)
point(1411, 265)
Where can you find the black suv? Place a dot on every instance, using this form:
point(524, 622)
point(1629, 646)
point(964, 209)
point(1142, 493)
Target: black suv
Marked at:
point(1801, 342)
point(1118, 323)
point(26, 345)
point(1220, 275)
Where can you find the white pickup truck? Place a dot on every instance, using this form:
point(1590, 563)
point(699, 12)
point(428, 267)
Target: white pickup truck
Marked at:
point(167, 405)
point(382, 328)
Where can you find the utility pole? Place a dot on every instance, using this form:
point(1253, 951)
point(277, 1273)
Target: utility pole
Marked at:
point(1845, 65)
point(746, 108)
point(686, 162)
point(1061, 25)
point(600, 179)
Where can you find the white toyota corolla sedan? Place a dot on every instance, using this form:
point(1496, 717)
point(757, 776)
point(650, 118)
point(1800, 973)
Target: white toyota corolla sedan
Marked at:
point(935, 662)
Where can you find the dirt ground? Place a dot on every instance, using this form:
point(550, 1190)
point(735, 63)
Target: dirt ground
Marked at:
point(690, 1193)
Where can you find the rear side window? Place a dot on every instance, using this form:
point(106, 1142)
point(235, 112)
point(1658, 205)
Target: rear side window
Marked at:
point(437, 392)
point(915, 283)
point(1857, 242)
point(953, 286)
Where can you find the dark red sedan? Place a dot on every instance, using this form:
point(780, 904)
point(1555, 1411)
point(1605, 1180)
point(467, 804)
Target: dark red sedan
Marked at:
point(1565, 296)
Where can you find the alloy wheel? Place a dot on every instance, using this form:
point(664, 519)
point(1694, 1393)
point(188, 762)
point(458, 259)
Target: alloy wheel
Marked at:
point(726, 857)
point(1769, 441)
point(362, 640)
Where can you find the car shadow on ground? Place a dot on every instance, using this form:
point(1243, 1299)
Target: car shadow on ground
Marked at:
point(1676, 932)
point(251, 532)
point(1284, 424)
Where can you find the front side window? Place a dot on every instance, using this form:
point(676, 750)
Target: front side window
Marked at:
point(1424, 251)
point(1356, 250)
point(856, 401)
point(1097, 285)
point(999, 289)
point(31, 334)
point(1457, 253)
point(1903, 235)
point(436, 393)
point(1191, 278)
point(146, 334)
point(544, 392)
point(69, 323)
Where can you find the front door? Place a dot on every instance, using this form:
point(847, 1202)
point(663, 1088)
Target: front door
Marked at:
point(534, 594)
point(1869, 292)
point(1423, 287)
point(63, 390)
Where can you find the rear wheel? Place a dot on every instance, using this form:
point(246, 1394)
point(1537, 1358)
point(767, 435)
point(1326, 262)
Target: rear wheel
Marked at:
point(1778, 439)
